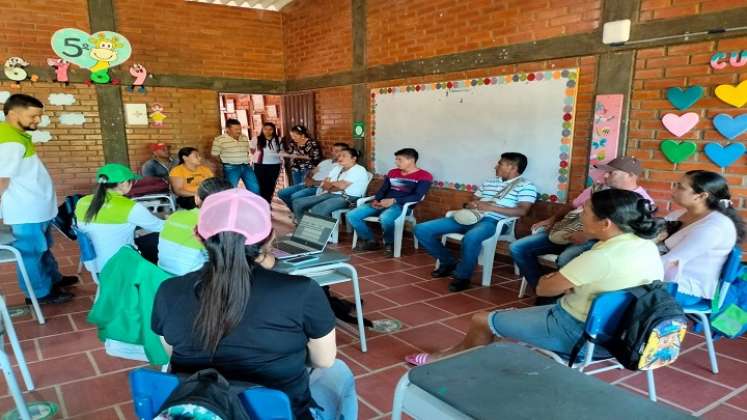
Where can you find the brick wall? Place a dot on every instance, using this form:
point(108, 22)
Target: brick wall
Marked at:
point(334, 116)
point(178, 37)
point(407, 30)
point(317, 37)
point(684, 65)
point(75, 151)
point(667, 9)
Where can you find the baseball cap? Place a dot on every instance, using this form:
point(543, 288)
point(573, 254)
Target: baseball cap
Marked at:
point(235, 210)
point(627, 164)
point(158, 146)
point(114, 172)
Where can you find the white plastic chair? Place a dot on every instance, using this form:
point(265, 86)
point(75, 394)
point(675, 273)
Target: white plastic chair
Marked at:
point(10, 378)
point(337, 215)
point(9, 254)
point(407, 216)
point(156, 202)
point(487, 254)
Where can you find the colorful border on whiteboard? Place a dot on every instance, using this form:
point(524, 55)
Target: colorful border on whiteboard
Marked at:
point(566, 125)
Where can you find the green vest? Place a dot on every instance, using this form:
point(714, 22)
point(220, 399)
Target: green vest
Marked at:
point(10, 134)
point(115, 211)
point(179, 228)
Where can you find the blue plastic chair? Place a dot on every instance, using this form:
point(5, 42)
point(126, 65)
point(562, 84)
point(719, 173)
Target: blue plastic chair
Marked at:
point(729, 273)
point(151, 388)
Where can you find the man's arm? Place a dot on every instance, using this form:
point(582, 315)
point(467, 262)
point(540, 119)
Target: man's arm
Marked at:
point(521, 209)
point(4, 182)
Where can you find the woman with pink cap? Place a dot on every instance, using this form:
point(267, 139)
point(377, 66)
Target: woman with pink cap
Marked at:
point(251, 323)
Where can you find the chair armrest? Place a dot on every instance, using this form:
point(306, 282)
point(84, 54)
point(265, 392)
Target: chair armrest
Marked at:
point(364, 200)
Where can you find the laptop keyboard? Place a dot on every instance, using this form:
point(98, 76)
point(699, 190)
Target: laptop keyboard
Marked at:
point(290, 248)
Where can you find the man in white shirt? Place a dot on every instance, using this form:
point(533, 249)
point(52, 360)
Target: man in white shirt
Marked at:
point(506, 195)
point(314, 178)
point(27, 200)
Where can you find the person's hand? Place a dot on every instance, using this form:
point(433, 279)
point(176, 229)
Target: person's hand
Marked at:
point(472, 205)
point(376, 204)
point(578, 238)
point(662, 236)
point(387, 202)
point(309, 182)
point(544, 224)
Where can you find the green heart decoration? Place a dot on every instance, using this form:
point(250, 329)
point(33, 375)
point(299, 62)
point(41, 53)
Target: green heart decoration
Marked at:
point(676, 151)
point(98, 52)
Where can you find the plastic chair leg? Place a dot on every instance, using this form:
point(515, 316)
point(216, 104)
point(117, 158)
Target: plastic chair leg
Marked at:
point(399, 396)
point(487, 266)
point(335, 233)
point(399, 228)
point(355, 239)
point(523, 288)
point(29, 289)
point(709, 340)
point(13, 388)
point(651, 385)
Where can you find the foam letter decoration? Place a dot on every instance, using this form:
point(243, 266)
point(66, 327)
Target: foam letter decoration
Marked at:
point(724, 156)
point(716, 62)
point(679, 125)
point(735, 96)
point(683, 99)
point(677, 152)
point(14, 69)
point(729, 127)
point(140, 74)
point(60, 69)
point(738, 59)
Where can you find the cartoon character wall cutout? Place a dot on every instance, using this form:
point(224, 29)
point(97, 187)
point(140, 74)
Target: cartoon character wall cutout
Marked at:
point(98, 52)
point(156, 115)
point(139, 72)
point(15, 69)
point(60, 67)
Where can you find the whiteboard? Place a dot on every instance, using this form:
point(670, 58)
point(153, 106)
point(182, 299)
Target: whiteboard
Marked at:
point(460, 128)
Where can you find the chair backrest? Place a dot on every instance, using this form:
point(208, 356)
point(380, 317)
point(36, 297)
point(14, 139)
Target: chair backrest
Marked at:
point(151, 388)
point(729, 273)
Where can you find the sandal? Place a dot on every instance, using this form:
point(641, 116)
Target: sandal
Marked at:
point(419, 359)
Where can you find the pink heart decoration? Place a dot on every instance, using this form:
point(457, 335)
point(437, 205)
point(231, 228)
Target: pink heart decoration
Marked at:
point(679, 125)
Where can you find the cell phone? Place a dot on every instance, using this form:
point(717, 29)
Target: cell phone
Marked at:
point(302, 260)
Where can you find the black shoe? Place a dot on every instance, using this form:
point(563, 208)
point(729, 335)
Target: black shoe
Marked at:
point(546, 300)
point(389, 250)
point(444, 270)
point(368, 246)
point(457, 285)
point(67, 281)
point(54, 297)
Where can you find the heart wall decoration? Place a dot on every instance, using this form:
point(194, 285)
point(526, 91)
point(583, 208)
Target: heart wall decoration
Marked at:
point(98, 52)
point(676, 151)
point(724, 156)
point(730, 127)
point(684, 98)
point(735, 96)
point(679, 125)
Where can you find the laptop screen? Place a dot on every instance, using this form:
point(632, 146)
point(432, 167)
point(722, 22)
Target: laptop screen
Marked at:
point(314, 230)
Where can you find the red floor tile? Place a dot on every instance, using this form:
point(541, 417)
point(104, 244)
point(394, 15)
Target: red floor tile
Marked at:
point(688, 391)
point(354, 366)
point(739, 400)
point(397, 278)
point(422, 272)
point(80, 320)
point(32, 329)
point(105, 414)
point(69, 343)
point(417, 314)
point(387, 265)
point(734, 348)
point(55, 371)
point(107, 363)
point(731, 372)
point(497, 295)
point(439, 286)
point(47, 394)
point(460, 323)
point(382, 352)
point(79, 304)
point(92, 394)
point(724, 412)
point(365, 285)
point(373, 302)
point(365, 412)
point(378, 388)
point(459, 303)
point(28, 347)
point(406, 294)
point(419, 260)
point(430, 338)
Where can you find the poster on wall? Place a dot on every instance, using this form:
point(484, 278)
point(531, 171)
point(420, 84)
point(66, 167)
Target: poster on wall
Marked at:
point(136, 114)
point(605, 135)
point(259, 102)
point(98, 52)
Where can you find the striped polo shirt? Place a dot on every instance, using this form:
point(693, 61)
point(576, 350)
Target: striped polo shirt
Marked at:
point(523, 191)
point(232, 151)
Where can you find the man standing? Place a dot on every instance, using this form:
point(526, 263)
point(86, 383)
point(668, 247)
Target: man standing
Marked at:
point(27, 200)
point(235, 151)
point(162, 162)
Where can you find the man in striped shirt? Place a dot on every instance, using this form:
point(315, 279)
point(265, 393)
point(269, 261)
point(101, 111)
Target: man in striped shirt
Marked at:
point(235, 150)
point(506, 195)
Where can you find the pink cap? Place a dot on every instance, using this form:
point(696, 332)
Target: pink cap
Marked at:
point(235, 210)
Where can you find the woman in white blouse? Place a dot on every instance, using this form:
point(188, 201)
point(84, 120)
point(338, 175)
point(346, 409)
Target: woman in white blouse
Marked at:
point(267, 160)
point(700, 236)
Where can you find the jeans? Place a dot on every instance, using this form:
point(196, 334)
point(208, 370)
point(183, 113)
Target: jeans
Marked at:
point(34, 242)
point(429, 234)
point(321, 205)
point(294, 193)
point(333, 389)
point(387, 216)
point(526, 250)
point(298, 176)
point(244, 172)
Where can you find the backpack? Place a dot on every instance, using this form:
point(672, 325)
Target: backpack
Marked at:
point(206, 395)
point(650, 332)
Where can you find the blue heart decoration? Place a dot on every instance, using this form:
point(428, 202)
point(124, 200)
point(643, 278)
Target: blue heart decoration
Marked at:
point(724, 156)
point(683, 99)
point(729, 127)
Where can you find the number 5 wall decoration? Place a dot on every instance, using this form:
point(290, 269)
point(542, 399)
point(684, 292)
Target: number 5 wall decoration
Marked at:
point(98, 52)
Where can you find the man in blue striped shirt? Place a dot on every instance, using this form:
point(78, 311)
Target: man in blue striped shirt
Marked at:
point(506, 195)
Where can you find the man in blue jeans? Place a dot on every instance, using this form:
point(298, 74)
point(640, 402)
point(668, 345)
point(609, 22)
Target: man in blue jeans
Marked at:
point(506, 195)
point(235, 152)
point(405, 184)
point(311, 179)
point(28, 202)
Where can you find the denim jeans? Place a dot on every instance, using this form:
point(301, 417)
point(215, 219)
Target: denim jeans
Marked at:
point(298, 176)
point(387, 216)
point(34, 242)
point(526, 250)
point(333, 389)
point(244, 172)
point(321, 205)
point(295, 192)
point(429, 235)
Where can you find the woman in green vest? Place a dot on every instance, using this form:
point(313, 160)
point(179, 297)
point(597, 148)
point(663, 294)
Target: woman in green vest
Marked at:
point(110, 219)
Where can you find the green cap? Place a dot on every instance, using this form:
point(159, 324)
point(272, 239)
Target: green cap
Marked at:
point(114, 172)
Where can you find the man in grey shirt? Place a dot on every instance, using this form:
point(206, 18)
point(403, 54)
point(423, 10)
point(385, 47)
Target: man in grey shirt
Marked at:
point(162, 162)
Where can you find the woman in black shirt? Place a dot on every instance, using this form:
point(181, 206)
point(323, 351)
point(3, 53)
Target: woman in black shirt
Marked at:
point(248, 322)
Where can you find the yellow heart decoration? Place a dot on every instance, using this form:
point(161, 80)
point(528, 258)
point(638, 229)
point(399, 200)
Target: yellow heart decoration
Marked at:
point(735, 96)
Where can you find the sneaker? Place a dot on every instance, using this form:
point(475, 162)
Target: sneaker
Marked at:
point(55, 296)
point(457, 285)
point(67, 281)
point(368, 246)
point(444, 270)
point(389, 250)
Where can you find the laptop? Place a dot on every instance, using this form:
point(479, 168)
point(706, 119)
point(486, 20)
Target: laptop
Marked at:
point(310, 237)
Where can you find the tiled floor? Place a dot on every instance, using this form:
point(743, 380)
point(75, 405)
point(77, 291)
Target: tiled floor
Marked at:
point(70, 367)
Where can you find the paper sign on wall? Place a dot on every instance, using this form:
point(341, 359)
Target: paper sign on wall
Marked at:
point(605, 134)
point(136, 114)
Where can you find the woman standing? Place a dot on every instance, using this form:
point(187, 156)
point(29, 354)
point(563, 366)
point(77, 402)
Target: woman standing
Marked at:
point(267, 160)
point(305, 153)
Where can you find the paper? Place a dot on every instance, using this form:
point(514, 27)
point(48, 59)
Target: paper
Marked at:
point(136, 114)
point(259, 102)
point(230, 105)
point(73, 118)
point(61, 99)
point(272, 111)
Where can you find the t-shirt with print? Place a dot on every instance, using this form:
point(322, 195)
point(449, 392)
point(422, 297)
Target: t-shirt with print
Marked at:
point(618, 263)
point(30, 196)
point(310, 149)
point(356, 175)
point(522, 191)
point(193, 179)
point(268, 346)
point(585, 195)
point(405, 188)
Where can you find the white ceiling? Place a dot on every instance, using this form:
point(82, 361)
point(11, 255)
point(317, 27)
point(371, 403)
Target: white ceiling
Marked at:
point(273, 5)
